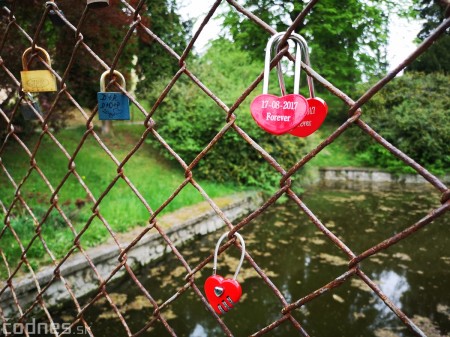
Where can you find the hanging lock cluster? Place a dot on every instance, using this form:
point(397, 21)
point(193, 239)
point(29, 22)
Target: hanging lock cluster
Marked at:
point(111, 105)
point(224, 293)
point(291, 113)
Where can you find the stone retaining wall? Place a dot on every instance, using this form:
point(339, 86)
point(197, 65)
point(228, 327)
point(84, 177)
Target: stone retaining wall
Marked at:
point(369, 175)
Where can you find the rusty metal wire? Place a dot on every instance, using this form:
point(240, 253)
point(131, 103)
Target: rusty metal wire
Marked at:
point(231, 123)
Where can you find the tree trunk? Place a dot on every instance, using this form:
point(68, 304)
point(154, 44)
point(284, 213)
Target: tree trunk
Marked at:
point(106, 127)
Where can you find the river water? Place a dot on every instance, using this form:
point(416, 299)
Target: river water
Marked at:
point(298, 258)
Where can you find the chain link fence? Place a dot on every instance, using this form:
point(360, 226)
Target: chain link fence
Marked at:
point(231, 123)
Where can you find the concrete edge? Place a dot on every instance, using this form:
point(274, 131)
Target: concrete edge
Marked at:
point(368, 174)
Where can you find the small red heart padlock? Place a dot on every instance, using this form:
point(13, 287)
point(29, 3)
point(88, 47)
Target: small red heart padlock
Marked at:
point(224, 293)
point(317, 112)
point(279, 115)
point(317, 108)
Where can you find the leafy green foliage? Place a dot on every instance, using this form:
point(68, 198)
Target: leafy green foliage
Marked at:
point(433, 12)
point(437, 57)
point(188, 120)
point(411, 113)
point(154, 62)
point(154, 177)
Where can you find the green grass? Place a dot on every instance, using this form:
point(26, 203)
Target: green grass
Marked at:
point(154, 177)
point(336, 154)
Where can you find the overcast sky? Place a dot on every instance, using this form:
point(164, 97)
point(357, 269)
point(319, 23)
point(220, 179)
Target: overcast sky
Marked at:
point(402, 34)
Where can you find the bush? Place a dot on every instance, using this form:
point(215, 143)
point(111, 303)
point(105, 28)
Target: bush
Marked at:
point(188, 120)
point(412, 113)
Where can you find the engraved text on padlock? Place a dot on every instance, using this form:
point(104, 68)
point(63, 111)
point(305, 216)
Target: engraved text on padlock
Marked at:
point(317, 107)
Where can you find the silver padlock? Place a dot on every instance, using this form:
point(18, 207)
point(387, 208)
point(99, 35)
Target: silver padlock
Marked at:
point(30, 108)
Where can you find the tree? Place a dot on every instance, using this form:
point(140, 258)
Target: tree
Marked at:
point(344, 36)
point(411, 112)
point(102, 31)
point(188, 120)
point(153, 61)
point(437, 57)
point(101, 35)
point(347, 38)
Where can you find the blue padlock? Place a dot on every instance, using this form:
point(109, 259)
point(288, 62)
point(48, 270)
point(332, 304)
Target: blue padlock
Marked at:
point(112, 105)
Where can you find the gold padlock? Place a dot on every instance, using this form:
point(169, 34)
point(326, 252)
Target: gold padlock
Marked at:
point(37, 80)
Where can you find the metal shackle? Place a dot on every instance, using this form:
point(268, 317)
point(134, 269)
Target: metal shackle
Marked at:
point(29, 98)
point(29, 50)
point(305, 49)
point(298, 60)
point(241, 260)
point(116, 73)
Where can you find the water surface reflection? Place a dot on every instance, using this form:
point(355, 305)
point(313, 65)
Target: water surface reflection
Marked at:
point(298, 258)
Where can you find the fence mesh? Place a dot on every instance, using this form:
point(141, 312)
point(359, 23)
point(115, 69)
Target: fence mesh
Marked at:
point(231, 123)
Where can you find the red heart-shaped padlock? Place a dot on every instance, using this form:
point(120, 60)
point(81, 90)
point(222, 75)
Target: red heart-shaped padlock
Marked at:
point(317, 111)
point(279, 115)
point(222, 293)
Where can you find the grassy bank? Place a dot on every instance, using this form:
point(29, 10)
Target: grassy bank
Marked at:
point(155, 179)
point(153, 176)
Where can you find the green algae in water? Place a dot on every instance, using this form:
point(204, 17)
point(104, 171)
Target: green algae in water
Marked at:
point(299, 258)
